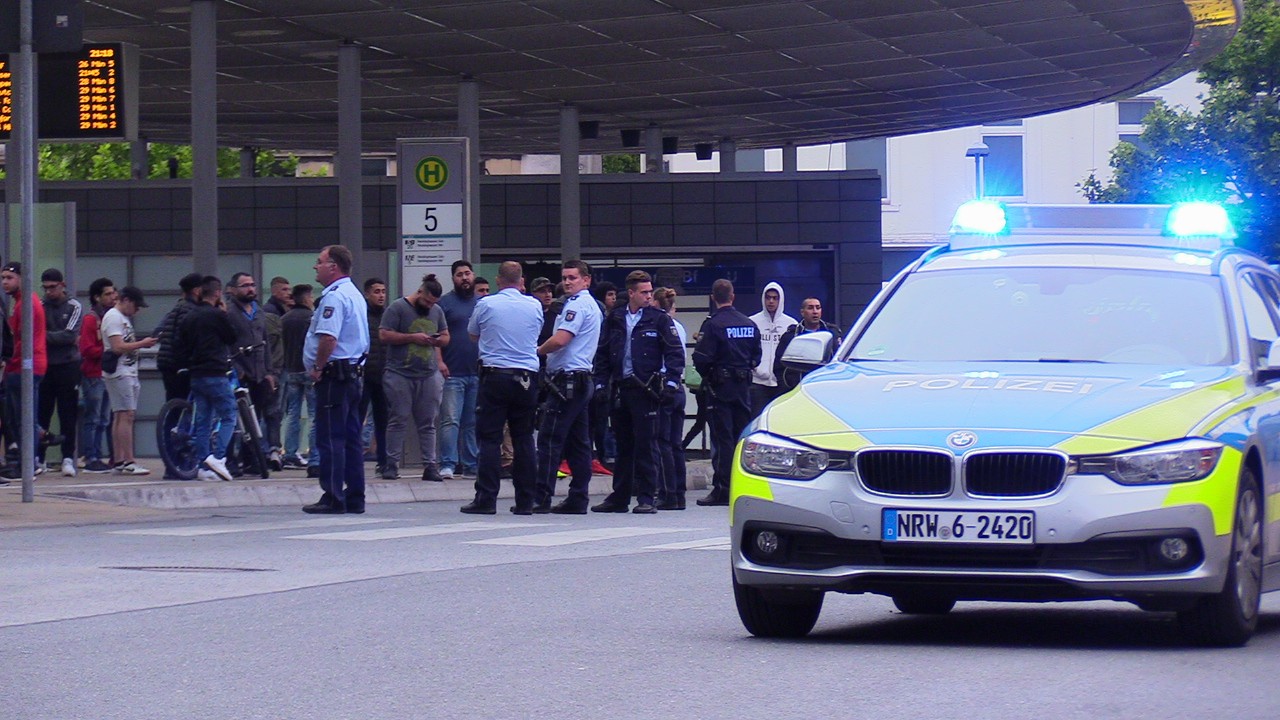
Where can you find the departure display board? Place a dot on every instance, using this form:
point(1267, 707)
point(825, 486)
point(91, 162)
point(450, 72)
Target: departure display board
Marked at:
point(88, 95)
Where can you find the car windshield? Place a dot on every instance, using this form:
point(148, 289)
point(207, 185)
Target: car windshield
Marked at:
point(1051, 314)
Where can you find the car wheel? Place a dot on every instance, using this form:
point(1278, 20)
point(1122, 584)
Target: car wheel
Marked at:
point(1230, 617)
point(923, 604)
point(777, 613)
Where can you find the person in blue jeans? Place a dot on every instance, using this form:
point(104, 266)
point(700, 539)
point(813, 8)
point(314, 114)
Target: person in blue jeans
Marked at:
point(202, 340)
point(458, 364)
point(95, 410)
point(298, 386)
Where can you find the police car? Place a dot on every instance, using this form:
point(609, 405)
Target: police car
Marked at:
point(1065, 402)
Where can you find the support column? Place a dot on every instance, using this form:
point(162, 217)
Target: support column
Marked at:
point(350, 188)
point(248, 162)
point(789, 164)
point(139, 159)
point(728, 156)
point(570, 186)
point(24, 125)
point(204, 136)
point(469, 128)
point(653, 149)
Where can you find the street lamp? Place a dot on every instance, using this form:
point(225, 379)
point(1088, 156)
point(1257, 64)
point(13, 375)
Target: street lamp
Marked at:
point(979, 153)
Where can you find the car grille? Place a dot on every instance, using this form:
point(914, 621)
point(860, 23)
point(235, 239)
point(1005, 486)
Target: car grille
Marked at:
point(905, 472)
point(1013, 474)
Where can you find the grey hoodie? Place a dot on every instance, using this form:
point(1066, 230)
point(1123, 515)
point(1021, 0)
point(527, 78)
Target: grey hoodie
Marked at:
point(771, 329)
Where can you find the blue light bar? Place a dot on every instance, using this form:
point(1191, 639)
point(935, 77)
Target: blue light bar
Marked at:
point(980, 217)
point(1199, 219)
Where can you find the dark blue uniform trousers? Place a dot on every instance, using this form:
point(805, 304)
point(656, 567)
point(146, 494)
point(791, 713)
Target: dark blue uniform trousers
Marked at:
point(635, 423)
point(506, 398)
point(565, 432)
point(671, 448)
point(728, 412)
point(338, 441)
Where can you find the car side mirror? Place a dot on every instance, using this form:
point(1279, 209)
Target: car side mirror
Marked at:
point(807, 351)
point(1270, 372)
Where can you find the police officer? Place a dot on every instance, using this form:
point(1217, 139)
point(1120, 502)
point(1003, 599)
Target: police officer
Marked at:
point(332, 353)
point(505, 325)
point(729, 346)
point(640, 341)
point(570, 352)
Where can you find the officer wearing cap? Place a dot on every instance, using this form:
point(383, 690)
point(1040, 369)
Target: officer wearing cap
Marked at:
point(727, 350)
point(645, 360)
point(564, 432)
point(505, 327)
point(332, 353)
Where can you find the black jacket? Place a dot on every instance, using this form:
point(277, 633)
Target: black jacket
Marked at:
point(204, 337)
point(253, 365)
point(728, 346)
point(654, 344)
point(166, 357)
point(790, 377)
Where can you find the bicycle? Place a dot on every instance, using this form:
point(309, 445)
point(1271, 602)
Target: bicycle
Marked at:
point(176, 441)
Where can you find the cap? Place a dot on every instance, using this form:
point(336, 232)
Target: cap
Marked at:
point(539, 283)
point(134, 294)
point(13, 267)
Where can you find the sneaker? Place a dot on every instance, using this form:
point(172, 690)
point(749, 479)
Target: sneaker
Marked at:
point(564, 470)
point(293, 462)
point(598, 468)
point(81, 462)
point(131, 468)
point(11, 471)
point(446, 473)
point(97, 467)
point(207, 476)
point(430, 474)
point(274, 462)
point(68, 467)
point(40, 469)
point(218, 466)
point(389, 472)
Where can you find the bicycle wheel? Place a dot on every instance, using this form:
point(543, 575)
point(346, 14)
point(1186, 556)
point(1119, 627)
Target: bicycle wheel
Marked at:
point(174, 439)
point(253, 437)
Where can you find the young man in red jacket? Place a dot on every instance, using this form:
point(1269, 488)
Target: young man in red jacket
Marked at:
point(96, 415)
point(11, 283)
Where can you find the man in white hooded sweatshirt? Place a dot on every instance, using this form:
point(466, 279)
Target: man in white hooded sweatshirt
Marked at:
point(772, 322)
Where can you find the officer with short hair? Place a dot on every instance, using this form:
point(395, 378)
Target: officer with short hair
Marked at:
point(335, 346)
point(570, 353)
point(505, 327)
point(645, 360)
point(728, 348)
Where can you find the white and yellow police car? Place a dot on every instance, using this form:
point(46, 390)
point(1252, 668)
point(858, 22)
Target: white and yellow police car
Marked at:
point(1065, 402)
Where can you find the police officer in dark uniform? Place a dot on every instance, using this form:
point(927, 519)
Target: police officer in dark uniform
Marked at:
point(640, 341)
point(727, 349)
point(332, 352)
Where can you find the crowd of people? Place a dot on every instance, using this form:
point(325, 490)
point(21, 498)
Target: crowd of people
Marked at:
point(533, 382)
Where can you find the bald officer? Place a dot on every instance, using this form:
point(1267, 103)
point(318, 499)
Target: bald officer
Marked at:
point(332, 353)
point(570, 353)
point(505, 326)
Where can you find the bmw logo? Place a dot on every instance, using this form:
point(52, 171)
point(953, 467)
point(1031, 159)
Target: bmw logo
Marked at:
point(962, 439)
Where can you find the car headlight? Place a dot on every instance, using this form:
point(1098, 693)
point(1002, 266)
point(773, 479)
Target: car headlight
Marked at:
point(764, 454)
point(1182, 461)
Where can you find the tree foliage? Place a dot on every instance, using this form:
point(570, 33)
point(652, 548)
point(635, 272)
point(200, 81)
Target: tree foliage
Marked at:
point(1228, 151)
point(110, 161)
point(628, 163)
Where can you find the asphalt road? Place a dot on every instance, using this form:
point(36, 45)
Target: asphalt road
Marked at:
point(417, 611)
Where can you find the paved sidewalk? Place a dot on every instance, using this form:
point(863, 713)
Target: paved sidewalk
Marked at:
point(92, 499)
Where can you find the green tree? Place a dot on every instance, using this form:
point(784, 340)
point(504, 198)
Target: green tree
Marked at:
point(110, 161)
point(1229, 151)
point(629, 163)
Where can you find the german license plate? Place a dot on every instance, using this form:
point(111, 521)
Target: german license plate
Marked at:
point(952, 526)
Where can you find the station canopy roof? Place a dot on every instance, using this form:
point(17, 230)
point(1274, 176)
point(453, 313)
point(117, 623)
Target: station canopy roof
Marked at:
point(762, 72)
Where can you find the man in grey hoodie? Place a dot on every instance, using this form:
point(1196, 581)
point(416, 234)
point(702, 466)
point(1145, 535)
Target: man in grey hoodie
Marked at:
point(772, 323)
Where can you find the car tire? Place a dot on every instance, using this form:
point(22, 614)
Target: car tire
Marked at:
point(920, 604)
point(777, 613)
point(1229, 618)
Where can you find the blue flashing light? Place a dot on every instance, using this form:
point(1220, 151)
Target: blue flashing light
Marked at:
point(1199, 219)
point(980, 217)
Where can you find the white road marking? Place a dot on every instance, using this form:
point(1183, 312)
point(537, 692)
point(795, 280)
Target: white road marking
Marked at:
point(196, 530)
point(715, 543)
point(570, 537)
point(417, 531)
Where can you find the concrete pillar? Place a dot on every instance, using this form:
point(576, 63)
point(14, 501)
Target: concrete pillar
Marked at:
point(248, 162)
point(653, 149)
point(789, 163)
point(570, 186)
point(728, 156)
point(350, 190)
point(204, 136)
point(469, 128)
point(139, 159)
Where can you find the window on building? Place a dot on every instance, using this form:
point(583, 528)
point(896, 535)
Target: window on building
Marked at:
point(1136, 140)
point(1005, 123)
point(870, 154)
point(1003, 168)
point(1132, 111)
point(373, 167)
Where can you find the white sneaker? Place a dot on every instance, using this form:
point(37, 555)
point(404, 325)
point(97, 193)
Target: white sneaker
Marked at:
point(68, 467)
point(131, 468)
point(219, 467)
point(39, 469)
point(446, 473)
point(207, 476)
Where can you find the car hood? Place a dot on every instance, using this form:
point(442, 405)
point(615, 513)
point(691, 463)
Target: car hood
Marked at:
point(1075, 407)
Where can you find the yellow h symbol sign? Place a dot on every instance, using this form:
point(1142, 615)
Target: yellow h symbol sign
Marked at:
point(432, 173)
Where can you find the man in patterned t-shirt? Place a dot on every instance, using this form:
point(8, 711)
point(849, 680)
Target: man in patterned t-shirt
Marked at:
point(412, 329)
